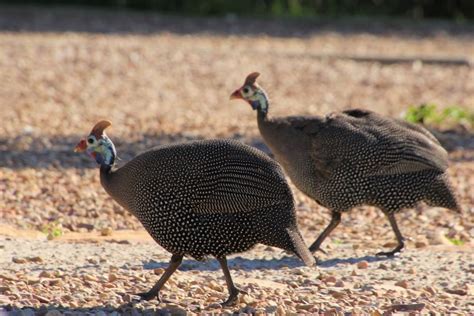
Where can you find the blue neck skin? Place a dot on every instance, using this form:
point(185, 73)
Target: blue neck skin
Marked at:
point(259, 102)
point(104, 154)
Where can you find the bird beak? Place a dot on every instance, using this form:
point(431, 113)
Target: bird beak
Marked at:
point(236, 95)
point(81, 146)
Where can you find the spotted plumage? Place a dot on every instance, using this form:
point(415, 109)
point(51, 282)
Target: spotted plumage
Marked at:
point(354, 158)
point(204, 198)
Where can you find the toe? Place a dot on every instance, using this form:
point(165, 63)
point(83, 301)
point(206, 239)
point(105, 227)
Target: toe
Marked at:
point(233, 297)
point(148, 296)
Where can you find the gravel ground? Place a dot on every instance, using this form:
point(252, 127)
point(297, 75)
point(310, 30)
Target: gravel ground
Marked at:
point(92, 274)
point(167, 79)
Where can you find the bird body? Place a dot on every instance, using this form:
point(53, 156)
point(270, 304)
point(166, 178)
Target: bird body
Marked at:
point(204, 198)
point(355, 157)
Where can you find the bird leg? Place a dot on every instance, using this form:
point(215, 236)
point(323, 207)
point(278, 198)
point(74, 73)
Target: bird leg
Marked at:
point(155, 290)
point(335, 220)
point(398, 234)
point(233, 290)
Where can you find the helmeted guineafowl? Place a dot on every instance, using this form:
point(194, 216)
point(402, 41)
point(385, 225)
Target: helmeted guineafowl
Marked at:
point(202, 198)
point(355, 157)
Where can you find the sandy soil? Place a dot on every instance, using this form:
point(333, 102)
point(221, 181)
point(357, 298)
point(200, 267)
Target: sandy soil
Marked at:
point(168, 79)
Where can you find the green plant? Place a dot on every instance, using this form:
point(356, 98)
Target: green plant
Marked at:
point(455, 241)
point(337, 241)
point(420, 114)
point(53, 229)
point(429, 114)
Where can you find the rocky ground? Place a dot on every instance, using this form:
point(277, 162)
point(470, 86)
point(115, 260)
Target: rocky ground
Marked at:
point(168, 79)
point(91, 273)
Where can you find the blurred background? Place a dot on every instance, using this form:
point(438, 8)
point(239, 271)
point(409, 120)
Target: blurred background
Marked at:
point(447, 9)
point(162, 71)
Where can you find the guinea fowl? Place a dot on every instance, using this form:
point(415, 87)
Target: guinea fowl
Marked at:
point(201, 198)
point(355, 157)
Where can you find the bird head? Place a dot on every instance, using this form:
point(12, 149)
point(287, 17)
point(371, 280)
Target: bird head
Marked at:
point(252, 93)
point(98, 145)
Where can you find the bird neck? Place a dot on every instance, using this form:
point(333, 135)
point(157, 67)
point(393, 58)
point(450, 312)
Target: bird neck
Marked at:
point(109, 175)
point(105, 169)
point(106, 175)
point(260, 102)
point(112, 180)
point(265, 125)
point(105, 154)
point(262, 109)
point(261, 116)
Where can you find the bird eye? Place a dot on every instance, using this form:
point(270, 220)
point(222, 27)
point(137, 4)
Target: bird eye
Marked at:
point(246, 90)
point(90, 140)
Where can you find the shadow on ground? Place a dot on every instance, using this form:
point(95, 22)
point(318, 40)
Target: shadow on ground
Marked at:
point(125, 310)
point(460, 143)
point(92, 20)
point(353, 260)
point(240, 263)
point(40, 152)
point(237, 263)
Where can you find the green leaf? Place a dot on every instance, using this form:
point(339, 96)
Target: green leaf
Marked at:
point(455, 241)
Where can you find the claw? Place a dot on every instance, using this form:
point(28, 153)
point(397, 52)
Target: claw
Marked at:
point(233, 297)
point(323, 251)
point(318, 249)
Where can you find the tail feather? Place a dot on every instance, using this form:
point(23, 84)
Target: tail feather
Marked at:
point(301, 249)
point(442, 194)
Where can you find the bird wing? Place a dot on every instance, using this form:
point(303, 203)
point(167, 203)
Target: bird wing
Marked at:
point(400, 147)
point(241, 184)
point(413, 149)
point(418, 129)
point(350, 138)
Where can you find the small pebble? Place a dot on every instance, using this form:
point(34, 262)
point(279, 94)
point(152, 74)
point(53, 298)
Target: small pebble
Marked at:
point(107, 231)
point(19, 260)
point(214, 306)
point(402, 283)
point(112, 277)
point(362, 265)
point(159, 271)
point(339, 283)
point(420, 244)
point(330, 279)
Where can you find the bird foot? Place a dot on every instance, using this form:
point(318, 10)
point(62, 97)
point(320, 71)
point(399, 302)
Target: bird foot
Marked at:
point(321, 250)
point(316, 260)
point(233, 297)
point(313, 250)
point(389, 253)
point(147, 296)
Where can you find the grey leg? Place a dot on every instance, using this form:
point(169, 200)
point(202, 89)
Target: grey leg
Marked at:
point(233, 290)
point(398, 234)
point(155, 290)
point(335, 220)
